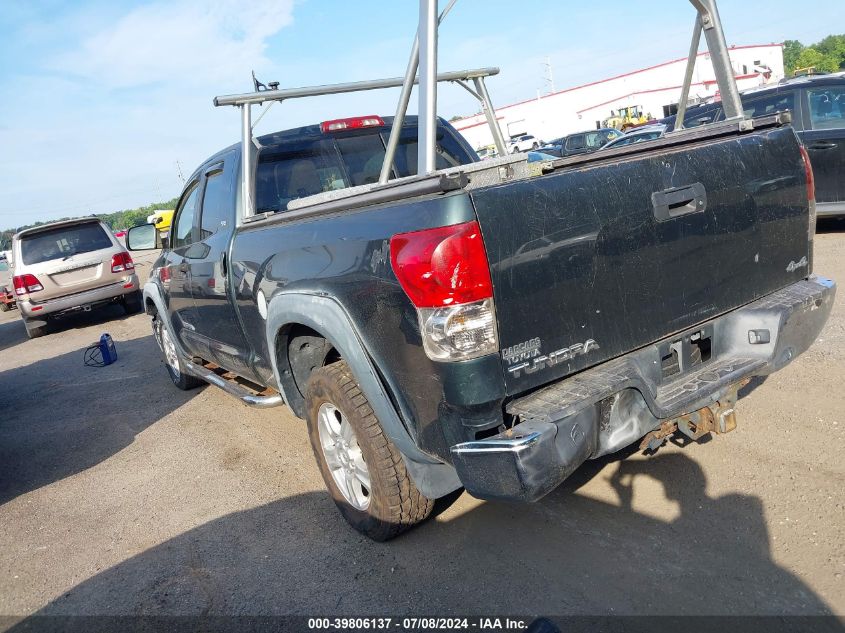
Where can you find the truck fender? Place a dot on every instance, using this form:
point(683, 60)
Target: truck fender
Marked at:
point(326, 316)
point(153, 293)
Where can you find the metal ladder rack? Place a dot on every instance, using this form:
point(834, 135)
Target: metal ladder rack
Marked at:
point(424, 58)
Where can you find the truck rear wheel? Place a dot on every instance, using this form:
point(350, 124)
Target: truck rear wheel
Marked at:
point(363, 470)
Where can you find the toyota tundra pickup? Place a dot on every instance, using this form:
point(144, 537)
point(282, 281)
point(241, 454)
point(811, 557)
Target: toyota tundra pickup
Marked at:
point(495, 324)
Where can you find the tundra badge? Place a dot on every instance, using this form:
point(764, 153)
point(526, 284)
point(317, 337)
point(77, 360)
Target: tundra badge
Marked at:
point(537, 362)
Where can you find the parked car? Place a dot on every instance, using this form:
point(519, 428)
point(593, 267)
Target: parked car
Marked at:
point(581, 142)
point(7, 296)
point(68, 266)
point(523, 143)
point(637, 135)
point(817, 103)
point(486, 153)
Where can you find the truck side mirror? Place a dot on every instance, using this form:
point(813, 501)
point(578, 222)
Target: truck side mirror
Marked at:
point(143, 238)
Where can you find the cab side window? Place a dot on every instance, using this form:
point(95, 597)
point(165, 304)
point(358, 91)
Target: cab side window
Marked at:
point(183, 233)
point(827, 107)
point(216, 201)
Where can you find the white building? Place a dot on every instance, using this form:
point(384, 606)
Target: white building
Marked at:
point(656, 90)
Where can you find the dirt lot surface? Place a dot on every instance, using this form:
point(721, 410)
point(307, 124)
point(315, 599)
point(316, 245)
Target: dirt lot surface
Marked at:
point(121, 495)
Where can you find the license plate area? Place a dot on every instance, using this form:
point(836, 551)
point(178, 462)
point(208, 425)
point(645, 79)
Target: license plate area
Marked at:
point(690, 351)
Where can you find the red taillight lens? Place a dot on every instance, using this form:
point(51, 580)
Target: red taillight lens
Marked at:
point(808, 171)
point(354, 123)
point(164, 274)
point(442, 266)
point(26, 283)
point(122, 262)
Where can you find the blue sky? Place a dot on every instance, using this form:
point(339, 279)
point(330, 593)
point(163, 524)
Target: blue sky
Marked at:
point(102, 98)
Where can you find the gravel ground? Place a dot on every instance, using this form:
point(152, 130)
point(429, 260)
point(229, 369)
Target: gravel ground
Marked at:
point(121, 495)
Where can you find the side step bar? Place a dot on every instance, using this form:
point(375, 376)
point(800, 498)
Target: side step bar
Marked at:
point(233, 388)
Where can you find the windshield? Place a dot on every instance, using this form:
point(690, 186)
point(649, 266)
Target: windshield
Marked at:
point(63, 242)
point(4, 267)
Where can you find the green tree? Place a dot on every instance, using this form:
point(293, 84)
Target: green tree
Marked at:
point(826, 56)
point(125, 219)
point(792, 50)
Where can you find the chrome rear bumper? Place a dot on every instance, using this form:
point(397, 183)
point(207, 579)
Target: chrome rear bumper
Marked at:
point(79, 300)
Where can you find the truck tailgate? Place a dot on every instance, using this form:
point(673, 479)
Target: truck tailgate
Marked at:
point(596, 260)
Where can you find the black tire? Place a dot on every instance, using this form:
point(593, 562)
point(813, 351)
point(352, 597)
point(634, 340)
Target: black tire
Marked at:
point(35, 329)
point(4, 307)
point(133, 303)
point(177, 374)
point(395, 503)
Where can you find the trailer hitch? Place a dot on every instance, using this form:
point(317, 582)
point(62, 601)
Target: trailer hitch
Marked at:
point(718, 418)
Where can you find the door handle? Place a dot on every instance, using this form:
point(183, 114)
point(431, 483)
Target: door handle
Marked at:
point(822, 145)
point(677, 201)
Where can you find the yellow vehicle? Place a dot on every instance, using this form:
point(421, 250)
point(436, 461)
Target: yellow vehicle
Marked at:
point(162, 220)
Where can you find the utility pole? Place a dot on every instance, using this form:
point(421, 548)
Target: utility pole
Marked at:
point(548, 74)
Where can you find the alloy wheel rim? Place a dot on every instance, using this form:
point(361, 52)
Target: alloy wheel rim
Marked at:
point(343, 456)
point(169, 349)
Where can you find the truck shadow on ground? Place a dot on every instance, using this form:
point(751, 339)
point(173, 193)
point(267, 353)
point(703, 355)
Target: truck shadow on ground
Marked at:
point(830, 225)
point(568, 554)
point(63, 417)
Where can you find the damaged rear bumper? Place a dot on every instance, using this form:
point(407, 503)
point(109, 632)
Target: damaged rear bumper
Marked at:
point(611, 406)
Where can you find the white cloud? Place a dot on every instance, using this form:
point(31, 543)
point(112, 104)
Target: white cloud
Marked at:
point(188, 41)
point(132, 96)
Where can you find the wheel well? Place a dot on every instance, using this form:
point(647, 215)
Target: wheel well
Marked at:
point(150, 307)
point(299, 351)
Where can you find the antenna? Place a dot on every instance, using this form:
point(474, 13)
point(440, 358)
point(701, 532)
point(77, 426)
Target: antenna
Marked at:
point(179, 172)
point(548, 74)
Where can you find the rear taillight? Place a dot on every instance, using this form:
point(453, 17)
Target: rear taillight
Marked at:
point(25, 284)
point(445, 273)
point(811, 192)
point(122, 262)
point(353, 123)
point(808, 172)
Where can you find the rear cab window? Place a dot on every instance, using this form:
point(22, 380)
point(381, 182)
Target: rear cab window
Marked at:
point(63, 242)
point(305, 167)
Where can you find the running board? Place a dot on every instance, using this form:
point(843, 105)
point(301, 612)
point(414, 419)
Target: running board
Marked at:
point(233, 388)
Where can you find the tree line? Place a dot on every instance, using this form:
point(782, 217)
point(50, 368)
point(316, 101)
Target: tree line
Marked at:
point(827, 56)
point(118, 220)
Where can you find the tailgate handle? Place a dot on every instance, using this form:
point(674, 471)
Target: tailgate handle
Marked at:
point(678, 201)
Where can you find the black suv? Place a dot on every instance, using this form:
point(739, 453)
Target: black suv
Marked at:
point(818, 107)
point(581, 142)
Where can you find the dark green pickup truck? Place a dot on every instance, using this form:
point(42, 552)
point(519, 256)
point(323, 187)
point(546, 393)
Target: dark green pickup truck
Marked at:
point(494, 324)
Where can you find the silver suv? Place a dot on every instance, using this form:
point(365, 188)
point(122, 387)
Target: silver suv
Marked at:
point(70, 266)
